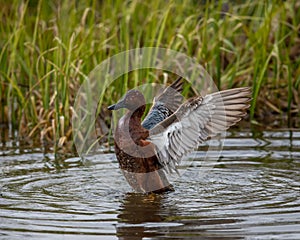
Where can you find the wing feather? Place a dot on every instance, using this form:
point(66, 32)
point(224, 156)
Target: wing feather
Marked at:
point(195, 121)
point(164, 104)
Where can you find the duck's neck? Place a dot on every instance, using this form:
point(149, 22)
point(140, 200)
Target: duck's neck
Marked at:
point(136, 130)
point(136, 116)
point(139, 112)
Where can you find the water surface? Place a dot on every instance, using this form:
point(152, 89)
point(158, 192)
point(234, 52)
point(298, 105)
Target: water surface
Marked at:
point(253, 192)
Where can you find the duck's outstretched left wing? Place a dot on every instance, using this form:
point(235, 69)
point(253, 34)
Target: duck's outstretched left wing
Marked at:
point(164, 104)
point(195, 121)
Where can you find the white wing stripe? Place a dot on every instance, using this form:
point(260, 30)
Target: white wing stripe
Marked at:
point(198, 119)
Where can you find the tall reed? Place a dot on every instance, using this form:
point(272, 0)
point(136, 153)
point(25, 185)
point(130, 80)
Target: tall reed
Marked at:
point(49, 47)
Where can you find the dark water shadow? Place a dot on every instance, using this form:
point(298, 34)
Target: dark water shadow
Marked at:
point(136, 211)
point(159, 217)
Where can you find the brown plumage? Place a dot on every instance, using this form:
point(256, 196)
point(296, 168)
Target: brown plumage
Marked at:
point(147, 150)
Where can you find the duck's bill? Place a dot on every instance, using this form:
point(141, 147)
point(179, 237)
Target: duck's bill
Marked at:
point(112, 107)
point(116, 106)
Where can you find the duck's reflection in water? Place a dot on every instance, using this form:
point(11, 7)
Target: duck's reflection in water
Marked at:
point(141, 215)
point(147, 216)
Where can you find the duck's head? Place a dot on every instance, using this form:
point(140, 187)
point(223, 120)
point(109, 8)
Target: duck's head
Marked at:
point(132, 100)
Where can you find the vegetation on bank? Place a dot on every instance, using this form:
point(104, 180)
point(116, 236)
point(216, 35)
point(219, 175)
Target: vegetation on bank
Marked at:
point(47, 49)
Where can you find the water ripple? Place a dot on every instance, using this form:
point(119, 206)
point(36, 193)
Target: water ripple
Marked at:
point(252, 192)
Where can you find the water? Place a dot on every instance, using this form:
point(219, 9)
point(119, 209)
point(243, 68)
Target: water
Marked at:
point(253, 192)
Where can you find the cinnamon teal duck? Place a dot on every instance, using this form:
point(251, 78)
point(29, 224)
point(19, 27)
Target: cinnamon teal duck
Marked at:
point(147, 150)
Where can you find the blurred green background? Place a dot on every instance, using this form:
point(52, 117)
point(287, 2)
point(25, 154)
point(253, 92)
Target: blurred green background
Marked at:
point(47, 49)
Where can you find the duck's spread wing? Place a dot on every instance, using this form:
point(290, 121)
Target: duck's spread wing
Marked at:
point(195, 121)
point(164, 104)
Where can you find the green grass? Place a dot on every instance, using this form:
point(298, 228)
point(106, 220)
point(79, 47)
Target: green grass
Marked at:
point(49, 47)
